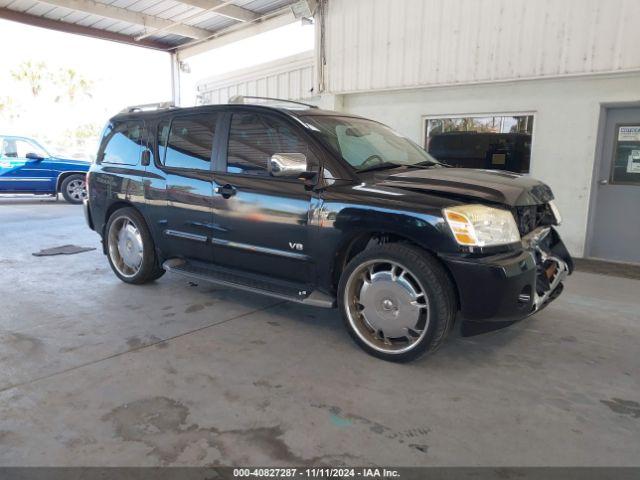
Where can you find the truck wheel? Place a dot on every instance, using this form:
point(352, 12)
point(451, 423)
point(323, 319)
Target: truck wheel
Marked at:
point(130, 248)
point(397, 301)
point(74, 188)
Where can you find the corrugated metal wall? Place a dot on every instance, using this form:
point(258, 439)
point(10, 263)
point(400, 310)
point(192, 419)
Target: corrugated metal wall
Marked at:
point(291, 78)
point(382, 44)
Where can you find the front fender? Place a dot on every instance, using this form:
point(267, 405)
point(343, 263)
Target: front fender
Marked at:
point(339, 225)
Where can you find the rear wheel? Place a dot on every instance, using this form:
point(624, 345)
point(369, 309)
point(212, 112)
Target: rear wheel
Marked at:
point(130, 248)
point(397, 301)
point(74, 188)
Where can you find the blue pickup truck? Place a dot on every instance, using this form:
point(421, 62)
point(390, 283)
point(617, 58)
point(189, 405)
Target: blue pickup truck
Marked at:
point(27, 167)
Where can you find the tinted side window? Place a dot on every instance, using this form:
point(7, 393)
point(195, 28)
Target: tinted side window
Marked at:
point(124, 144)
point(254, 138)
point(190, 142)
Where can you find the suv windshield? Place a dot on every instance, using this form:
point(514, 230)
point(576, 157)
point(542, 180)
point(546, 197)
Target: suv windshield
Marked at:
point(368, 145)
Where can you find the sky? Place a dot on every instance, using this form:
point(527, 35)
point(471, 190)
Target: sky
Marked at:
point(121, 75)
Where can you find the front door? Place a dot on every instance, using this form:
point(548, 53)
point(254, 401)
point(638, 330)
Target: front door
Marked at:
point(262, 221)
point(616, 226)
point(186, 152)
point(19, 173)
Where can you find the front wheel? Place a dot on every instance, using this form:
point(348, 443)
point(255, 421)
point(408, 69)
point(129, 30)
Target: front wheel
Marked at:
point(397, 301)
point(74, 188)
point(130, 248)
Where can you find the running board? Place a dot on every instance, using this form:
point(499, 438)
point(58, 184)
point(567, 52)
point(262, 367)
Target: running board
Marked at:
point(283, 290)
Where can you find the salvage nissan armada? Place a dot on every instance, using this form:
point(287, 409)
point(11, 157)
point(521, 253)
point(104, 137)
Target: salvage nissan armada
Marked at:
point(326, 209)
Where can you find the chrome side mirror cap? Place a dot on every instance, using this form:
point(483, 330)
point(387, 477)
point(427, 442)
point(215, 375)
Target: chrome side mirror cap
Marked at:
point(288, 165)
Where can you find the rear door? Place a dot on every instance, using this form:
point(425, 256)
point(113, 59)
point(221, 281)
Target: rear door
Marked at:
point(262, 222)
point(185, 150)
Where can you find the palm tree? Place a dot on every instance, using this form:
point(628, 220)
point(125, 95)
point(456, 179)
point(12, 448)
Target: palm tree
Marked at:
point(7, 108)
point(33, 74)
point(73, 84)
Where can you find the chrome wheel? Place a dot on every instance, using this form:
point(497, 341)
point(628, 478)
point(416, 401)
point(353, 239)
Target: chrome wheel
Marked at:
point(125, 247)
point(77, 190)
point(386, 306)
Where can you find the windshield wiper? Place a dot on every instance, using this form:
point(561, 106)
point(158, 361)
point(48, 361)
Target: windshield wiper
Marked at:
point(380, 166)
point(426, 163)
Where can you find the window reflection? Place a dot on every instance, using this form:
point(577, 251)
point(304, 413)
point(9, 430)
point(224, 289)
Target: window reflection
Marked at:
point(254, 138)
point(125, 145)
point(190, 142)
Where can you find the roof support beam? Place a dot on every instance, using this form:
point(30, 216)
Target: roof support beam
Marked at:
point(66, 27)
point(185, 19)
point(230, 11)
point(123, 15)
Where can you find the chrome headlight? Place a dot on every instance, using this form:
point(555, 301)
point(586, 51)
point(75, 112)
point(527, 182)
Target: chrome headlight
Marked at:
point(555, 211)
point(481, 226)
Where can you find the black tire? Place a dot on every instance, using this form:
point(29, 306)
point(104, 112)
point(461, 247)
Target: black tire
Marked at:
point(149, 269)
point(69, 193)
point(439, 292)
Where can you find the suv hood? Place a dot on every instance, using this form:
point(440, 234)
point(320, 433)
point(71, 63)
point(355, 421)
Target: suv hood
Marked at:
point(486, 185)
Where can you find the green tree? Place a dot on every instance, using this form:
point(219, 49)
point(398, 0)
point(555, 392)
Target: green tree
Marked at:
point(32, 73)
point(73, 85)
point(8, 109)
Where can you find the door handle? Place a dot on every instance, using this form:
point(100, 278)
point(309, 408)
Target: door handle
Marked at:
point(226, 190)
point(603, 182)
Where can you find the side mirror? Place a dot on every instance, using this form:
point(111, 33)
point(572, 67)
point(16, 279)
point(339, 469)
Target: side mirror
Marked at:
point(288, 165)
point(34, 156)
point(145, 159)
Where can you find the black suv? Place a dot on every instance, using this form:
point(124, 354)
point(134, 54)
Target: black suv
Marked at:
point(326, 209)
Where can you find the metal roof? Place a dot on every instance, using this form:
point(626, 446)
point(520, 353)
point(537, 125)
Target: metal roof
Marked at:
point(160, 24)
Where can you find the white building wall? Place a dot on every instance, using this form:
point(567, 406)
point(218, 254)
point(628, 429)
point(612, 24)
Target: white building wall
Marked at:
point(390, 44)
point(291, 78)
point(565, 127)
point(400, 61)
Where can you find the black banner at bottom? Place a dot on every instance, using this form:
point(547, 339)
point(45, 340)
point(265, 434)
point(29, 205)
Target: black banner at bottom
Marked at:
point(312, 473)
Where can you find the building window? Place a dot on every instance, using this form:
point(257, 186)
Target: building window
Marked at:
point(496, 142)
point(625, 167)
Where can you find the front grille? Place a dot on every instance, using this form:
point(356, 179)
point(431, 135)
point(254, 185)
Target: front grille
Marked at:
point(533, 216)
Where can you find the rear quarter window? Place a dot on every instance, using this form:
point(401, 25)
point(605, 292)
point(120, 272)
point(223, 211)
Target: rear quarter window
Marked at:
point(123, 144)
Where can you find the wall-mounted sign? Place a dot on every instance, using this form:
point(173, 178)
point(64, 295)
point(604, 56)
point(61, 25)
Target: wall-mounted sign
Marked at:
point(625, 167)
point(633, 164)
point(629, 133)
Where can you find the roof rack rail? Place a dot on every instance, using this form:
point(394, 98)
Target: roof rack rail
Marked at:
point(148, 106)
point(240, 99)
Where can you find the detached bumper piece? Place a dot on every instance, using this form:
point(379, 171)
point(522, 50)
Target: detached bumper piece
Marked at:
point(511, 286)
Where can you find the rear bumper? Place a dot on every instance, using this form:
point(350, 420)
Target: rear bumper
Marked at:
point(87, 213)
point(511, 286)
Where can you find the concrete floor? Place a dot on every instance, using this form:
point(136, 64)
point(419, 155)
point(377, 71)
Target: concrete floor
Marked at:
point(96, 372)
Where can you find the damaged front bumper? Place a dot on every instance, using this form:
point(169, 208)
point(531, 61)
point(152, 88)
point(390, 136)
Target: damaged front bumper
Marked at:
point(511, 286)
point(553, 264)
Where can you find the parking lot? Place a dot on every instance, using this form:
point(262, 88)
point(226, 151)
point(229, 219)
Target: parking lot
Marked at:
point(97, 372)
